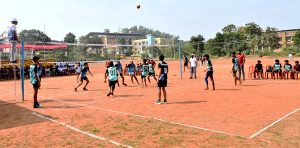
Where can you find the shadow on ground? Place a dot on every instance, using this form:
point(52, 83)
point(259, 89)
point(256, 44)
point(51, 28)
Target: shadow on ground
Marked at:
point(13, 115)
point(188, 102)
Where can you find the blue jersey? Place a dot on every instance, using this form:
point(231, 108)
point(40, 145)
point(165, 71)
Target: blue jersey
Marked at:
point(288, 67)
point(277, 66)
point(112, 73)
point(235, 62)
point(33, 70)
point(145, 70)
point(84, 72)
point(119, 67)
point(81, 63)
point(131, 68)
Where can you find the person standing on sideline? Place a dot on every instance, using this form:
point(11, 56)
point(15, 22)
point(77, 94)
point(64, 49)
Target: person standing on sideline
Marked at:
point(35, 80)
point(13, 39)
point(242, 59)
point(235, 68)
point(193, 62)
point(162, 83)
point(186, 63)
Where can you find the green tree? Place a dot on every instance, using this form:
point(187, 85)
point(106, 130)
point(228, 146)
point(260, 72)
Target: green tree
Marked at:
point(153, 51)
point(216, 46)
point(270, 38)
point(296, 39)
point(33, 35)
point(253, 34)
point(229, 28)
point(70, 38)
point(90, 39)
point(145, 31)
point(128, 52)
point(198, 43)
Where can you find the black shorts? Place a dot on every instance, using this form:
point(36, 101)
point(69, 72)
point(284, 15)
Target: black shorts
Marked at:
point(152, 74)
point(84, 78)
point(209, 74)
point(35, 85)
point(142, 76)
point(112, 83)
point(186, 63)
point(277, 71)
point(234, 71)
point(161, 83)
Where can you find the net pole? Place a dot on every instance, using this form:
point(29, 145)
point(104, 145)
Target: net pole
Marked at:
point(0, 58)
point(22, 71)
point(179, 52)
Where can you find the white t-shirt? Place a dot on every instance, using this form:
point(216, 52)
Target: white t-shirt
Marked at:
point(11, 29)
point(193, 62)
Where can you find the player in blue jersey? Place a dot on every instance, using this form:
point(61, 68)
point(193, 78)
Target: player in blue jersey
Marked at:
point(132, 73)
point(235, 68)
point(84, 71)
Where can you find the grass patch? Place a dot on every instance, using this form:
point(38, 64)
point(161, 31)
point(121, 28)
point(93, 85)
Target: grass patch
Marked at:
point(90, 128)
point(169, 141)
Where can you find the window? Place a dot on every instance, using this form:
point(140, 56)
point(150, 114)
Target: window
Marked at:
point(288, 39)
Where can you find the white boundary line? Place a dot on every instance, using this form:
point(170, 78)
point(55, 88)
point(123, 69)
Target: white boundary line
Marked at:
point(80, 131)
point(267, 127)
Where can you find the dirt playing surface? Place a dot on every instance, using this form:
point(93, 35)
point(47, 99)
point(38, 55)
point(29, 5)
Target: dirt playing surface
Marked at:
point(247, 115)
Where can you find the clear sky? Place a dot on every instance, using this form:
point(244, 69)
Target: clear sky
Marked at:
point(179, 17)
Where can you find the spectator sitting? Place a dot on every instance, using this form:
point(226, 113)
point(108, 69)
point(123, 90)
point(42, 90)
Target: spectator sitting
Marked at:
point(259, 70)
point(287, 69)
point(277, 69)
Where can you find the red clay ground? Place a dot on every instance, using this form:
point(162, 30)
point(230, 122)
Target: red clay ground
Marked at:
point(226, 117)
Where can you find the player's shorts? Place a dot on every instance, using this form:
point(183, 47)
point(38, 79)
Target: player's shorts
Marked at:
point(234, 71)
point(78, 73)
point(161, 83)
point(112, 83)
point(84, 78)
point(277, 71)
point(36, 85)
point(151, 73)
point(143, 76)
point(131, 73)
point(186, 63)
point(209, 74)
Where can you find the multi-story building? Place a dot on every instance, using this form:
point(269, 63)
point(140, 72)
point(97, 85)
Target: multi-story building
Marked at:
point(286, 37)
point(112, 43)
point(139, 46)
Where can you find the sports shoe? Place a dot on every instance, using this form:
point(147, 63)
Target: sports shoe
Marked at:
point(84, 89)
point(75, 89)
point(165, 101)
point(37, 105)
point(108, 93)
point(158, 102)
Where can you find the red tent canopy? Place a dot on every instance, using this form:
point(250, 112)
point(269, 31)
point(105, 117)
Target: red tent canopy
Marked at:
point(36, 47)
